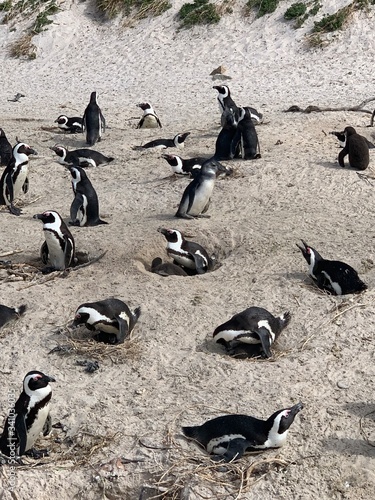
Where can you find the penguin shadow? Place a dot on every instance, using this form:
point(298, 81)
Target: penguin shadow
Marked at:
point(330, 164)
point(361, 409)
point(351, 446)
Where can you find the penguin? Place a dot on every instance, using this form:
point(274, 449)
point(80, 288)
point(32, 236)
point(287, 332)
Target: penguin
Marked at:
point(341, 137)
point(72, 125)
point(225, 101)
point(247, 135)
point(81, 157)
point(196, 197)
point(58, 250)
point(228, 142)
point(84, 211)
point(8, 314)
point(15, 176)
point(253, 331)
point(111, 318)
point(180, 166)
point(333, 276)
point(93, 121)
point(178, 141)
point(228, 437)
point(5, 149)
point(185, 253)
point(29, 417)
point(166, 268)
point(149, 119)
point(357, 148)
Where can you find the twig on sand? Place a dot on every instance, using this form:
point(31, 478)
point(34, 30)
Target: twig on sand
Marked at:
point(11, 252)
point(317, 109)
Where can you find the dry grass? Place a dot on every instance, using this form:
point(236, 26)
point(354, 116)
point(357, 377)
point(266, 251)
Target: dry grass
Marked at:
point(23, 47)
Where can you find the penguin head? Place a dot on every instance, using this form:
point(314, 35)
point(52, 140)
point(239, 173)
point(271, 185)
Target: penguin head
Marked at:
point(349, 131)
point(2, 133)
point(144, 106)
point(61, 120)
point(171, 235)
point(49, 217)
point(36, 381)
point(311, 256)
point(281, 420)
point(223, 90)
point(179, 139)
point(80, 318)
point(59, 150)
point(213, 168)
point(171, 159)
point(94, 97)
point(21, 148)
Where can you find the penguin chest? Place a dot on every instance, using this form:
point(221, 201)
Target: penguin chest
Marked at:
point(19, 177)
point(202, 196)
point(56, 253)
point(149, 121)
point(35, 427)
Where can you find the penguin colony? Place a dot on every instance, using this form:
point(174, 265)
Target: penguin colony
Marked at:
point(250, 333)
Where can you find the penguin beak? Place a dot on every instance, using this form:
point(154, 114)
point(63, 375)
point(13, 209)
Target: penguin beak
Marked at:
point(38, 216)
point(162, 230)
point(304, 248)
point(47, 378)
point(33, 152)
point(296, 408)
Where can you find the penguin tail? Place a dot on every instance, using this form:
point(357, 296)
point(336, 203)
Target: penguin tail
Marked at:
point(285, 318)
point(136, 313)
point(190, 432)
point(110, 159)
point(21, 309)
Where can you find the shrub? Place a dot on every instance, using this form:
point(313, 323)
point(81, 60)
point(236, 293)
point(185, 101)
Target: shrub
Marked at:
point(199, 12)
point(295, 10)
point(264, 6)
point(142, 8)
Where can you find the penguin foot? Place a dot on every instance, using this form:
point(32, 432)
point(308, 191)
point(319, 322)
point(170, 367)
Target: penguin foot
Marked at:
point(37, 454)
point(14, 210)
point(48, 270)
point(203, 216)
point(73, 222)
point(183, 216)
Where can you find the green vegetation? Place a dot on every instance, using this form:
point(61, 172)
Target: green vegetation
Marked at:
point(199, 12)
point(295, 11)
point(6, 6)
point(264, 6)
point(42, 19)
point(138, 8)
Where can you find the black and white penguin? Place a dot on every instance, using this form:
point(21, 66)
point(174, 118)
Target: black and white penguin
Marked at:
point(197, 195)
point(82, 157)
point(251, 332)
point(84, 211)
point(149, 119)
point(15, 176)
point(178, 141)
point(111, 318)
point(185, 253)
point(333, 276)
point(248, 135)
point(341, 137)
point(5, 149)
point(73, 125)
point(230, 436)
point(357, 148)
point(190, 166)
point(225, 101)
point(167, 268)
point(228, 142)
point(29, 418)
point(93, 121)
point(58, 250)
point(8, 314)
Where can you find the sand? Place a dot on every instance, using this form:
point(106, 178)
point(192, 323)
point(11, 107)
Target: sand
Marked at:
point(121, 424)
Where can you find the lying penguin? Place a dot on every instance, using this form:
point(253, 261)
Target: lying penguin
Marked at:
point(166, 268)
point(230, 436)
point(111, 318)
point(178, 141)
point(8, 314)
point(58, 250)
point(251, 332)
point(82, 157)
point(333, 276)
point(29, 418)
point(188, 254)
point(72, 125)
point(190, 166)
point(196, 198)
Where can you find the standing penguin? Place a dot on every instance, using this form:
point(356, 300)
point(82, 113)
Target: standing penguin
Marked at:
point(10, 313)
point(84, 211)
point(251, 332)
point(248, 136)
point(58, 251)
point(228, 437)
point(149, 119)
point(5, 149)
point(356, 147)
point(185, 253)
point(93, 121)
point(228, 142)
point(111, 318)
point(334, 276)
point(29, 417)
point(225, 101)
point(197, 195)
point(15, 176)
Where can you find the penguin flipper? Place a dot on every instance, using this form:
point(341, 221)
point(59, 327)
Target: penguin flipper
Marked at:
point(75, 207)
point(102, 120)
point(123, 329)
point(44, 251)
point(47, 427)
point(25, 187)
point(68, 252)
point(236, 449)
point(20, 426)
point(264, 336)
point(159, 122)
point(140, 123)
point(200, 263)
